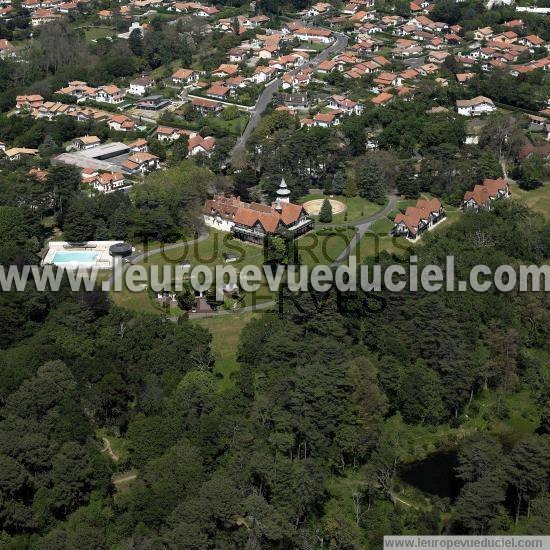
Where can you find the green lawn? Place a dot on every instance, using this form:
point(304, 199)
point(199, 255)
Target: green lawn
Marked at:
point(233, 127)
point(373, 243)
point(323, 246)
point(94, 33)
point(358, 208)
point(226, 331)
point(208, 252)
point(313, 46)
point(537, 199)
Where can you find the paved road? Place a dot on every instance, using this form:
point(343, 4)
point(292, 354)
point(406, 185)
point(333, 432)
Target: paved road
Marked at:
point(267, 94)
point(362, 226)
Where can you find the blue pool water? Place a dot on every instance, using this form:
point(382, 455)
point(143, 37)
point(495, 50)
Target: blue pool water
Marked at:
point(75, 257)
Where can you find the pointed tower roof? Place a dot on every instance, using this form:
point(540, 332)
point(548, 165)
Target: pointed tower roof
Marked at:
point(283, 190)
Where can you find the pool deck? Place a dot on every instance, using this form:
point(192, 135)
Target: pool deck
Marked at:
point(103, 259)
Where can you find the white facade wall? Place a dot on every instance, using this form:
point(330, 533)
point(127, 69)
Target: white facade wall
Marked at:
point(218, 223)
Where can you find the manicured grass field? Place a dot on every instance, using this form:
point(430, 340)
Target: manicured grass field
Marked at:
point(208, 252)
point(226, 331)
point(323, 246)
point(313, 46)
point(537, 199)
point(94, 33)
point(358, 208)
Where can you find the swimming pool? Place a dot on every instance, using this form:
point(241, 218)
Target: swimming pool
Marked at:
point(75, 257)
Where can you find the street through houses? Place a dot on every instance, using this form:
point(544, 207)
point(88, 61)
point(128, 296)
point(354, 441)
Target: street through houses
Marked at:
point(266, 96)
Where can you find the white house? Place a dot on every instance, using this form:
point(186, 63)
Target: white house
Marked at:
point(141, 86)
point(85, 142)
point(108, 182)
point(347, 106)
point(110, 94)
point(314, 35)
point(185, 76)
point(474, 107)
point(141, 163)
point(263, 74)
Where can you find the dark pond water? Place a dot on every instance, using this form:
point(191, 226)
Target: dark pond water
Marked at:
point(434, 475)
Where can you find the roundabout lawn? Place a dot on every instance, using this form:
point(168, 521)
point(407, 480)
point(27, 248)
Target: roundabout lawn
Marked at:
point(357, 208)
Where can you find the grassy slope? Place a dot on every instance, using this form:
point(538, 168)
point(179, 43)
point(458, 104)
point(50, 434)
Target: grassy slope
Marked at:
point(94, 33)
point(537, 199)
point(225, 339)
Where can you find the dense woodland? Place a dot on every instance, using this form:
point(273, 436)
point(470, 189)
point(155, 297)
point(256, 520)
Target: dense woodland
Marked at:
point(337, 397)
point(331, 387)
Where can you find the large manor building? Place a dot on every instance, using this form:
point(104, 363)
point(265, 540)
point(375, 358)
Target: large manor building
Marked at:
point(253, 221)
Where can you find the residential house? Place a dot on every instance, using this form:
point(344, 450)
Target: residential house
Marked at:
point(462, 78)
point(141, 86)
point(185, 76)
point(237, 55)
point(474, 107)
point(306, 34)
point(205, 106)
point(141, 163)
point(419, 218)
point(167, 133)
point(6, 49)
point(483, 34)
point(198, 145)
point(326, 120)
point(532, 42)
point(18, 153)
point(139, 146)
point(42, 16)
point(78, 89)
point(218, 90)
point(121, 123)
point(110, 94)
point(253, 222)
point(345, 105)
point(153, 103)
point(28, 102)
point(483, 195)
point(296, 81)
point(85, 142)
point(206, 11)
point(225, 70)
point(38, 175)
point(263, 74)
point(382, 99)
point(108, 182)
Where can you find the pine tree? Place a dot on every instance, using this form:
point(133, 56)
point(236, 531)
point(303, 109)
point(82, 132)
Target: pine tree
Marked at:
point(338, 183)
point(179, 149)
point(408, 184)
point(325, 214)
point(350, 189)
point(371, 185)
point(135, 42)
